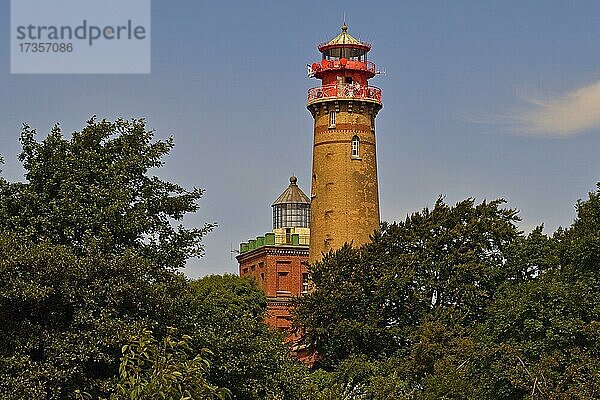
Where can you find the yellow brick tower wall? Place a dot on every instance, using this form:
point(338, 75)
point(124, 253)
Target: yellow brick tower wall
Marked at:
point(344, 196)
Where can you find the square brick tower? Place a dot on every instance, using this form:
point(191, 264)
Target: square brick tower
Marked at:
point(278, 260)
point(344, 196)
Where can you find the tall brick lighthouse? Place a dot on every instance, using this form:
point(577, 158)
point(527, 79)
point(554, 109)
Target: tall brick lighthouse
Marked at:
point(344, 196)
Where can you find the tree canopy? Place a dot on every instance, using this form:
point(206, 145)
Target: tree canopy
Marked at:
point(441, 265)
point(89, 253)
point(93, 192)
point(455, 302)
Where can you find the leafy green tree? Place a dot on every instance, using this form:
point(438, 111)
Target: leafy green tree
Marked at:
point(250, 358)
point(93, 192)
point(346, 314)
point(89, 251)
point(542, 337)
point(164, 371)
point(441, 265)
point(454, 303)
point(541, 341)
point(356, 378)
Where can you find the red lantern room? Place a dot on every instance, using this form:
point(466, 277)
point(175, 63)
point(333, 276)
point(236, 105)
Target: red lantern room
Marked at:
point(344, 70)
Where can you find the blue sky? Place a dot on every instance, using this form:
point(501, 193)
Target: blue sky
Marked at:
point(482, 99)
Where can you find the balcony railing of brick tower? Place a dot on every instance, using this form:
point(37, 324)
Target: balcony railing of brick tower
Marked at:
point(344, 92)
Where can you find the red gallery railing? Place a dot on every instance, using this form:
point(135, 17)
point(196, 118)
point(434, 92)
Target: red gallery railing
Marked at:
point(326, 65)
point(344, 91)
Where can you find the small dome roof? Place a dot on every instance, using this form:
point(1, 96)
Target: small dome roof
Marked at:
point(292, 195)
point(342, 39)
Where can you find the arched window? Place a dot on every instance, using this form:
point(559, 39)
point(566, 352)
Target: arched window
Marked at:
point(355, 146)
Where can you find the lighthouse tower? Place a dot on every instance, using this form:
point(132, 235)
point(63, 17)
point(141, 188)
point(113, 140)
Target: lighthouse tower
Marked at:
point(344, 195)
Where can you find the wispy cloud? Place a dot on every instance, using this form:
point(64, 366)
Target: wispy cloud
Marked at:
point(565, 115)
point(558, 115)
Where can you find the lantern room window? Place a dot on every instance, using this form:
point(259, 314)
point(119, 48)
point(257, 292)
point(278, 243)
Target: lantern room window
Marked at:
point(292, 208)
point(345, 52)
point(291, 216)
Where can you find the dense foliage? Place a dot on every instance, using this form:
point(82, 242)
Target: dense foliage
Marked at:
point(452, 303)
point(88, 254)
point(249, 359)
point(455, 302)
point(152, 370)
point(439, 267)
point(90, 248)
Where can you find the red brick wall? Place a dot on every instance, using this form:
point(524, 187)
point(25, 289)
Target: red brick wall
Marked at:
point(271, 268)
point(278, 271)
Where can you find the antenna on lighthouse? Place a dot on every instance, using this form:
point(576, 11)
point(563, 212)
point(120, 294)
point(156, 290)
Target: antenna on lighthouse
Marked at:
point(380, 71)
point(309, 71)
point(232, 251)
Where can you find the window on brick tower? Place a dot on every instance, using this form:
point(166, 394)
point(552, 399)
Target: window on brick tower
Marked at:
point(283, 283)
point(332, 119)
point(282, 322)
point(305, 282)
point(355, 146)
